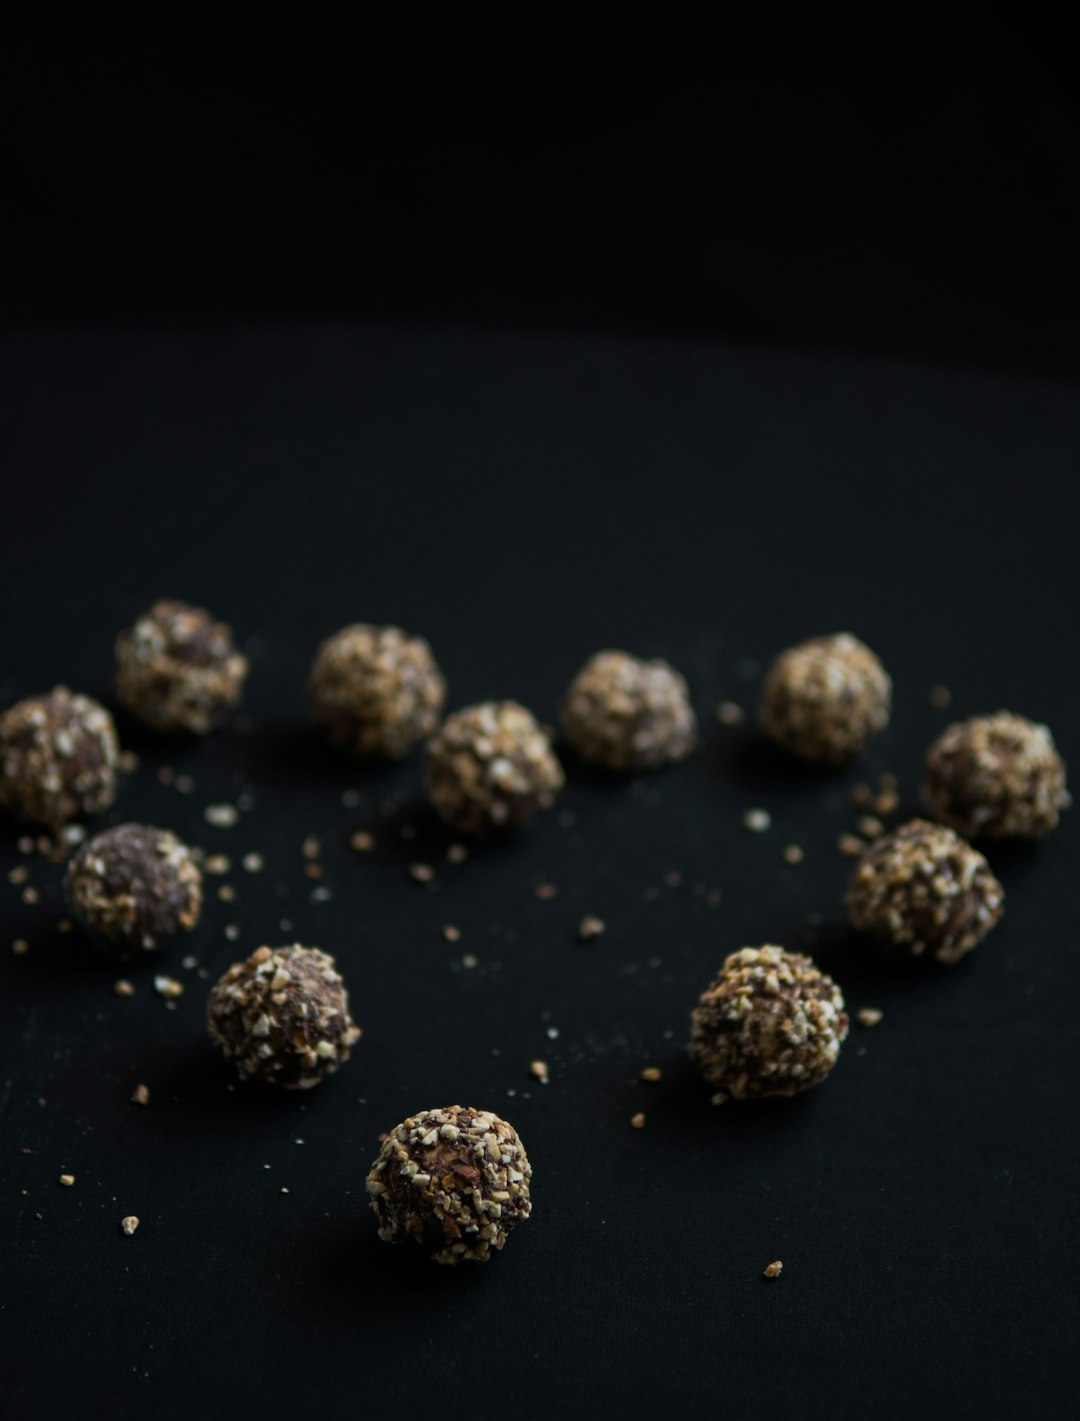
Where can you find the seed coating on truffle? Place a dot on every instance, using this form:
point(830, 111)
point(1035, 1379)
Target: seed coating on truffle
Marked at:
point(376, 690)
point(825, 698)
point(770, 1024)
point(626, 714)
point(283, 1017)
point(490, 768)
point(924, 888)
point(997, 776)
point(177, 670)
point(134, 887)
point(58, 758)
point(454, 1181)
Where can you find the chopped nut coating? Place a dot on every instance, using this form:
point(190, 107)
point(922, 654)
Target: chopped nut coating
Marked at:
point(825, 698)
point(376, 691)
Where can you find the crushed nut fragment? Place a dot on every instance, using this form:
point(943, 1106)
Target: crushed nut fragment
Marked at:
point(539, 1069)
point(67, 1180)
point(793, 853)
point(870, 827)
point(20, 947)
point(123, 988)
point(940, 697)
point(851, 846)
point(638, 1121)
point(221, 816)
point(129, 1224)
point(774, 1269)
point(651, 1074)
point(456, 853)
point(545, 891)
point(217, 864)
point(869, 1016)
point(590, 927)
point(168, 987)
point(728, 713)
point(363, 841)
point(757, 820)
point(421, 872)
point(140, 1095)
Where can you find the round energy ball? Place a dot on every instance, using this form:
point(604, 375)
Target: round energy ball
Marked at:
point(770, 1024)
point(376, 690)
point(997, 776)
point(58, 757)
point(490, 768)
point(177, 670)
point(923, 888)
point(454, 1181)
point(283, 1017)
point(133, 888)
point(627, 714)
point(825, 698)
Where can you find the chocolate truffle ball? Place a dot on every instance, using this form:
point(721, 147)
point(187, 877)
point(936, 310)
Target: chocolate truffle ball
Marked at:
point(770, 1024)
point(997, 776)
point(376, 691)
point(133, 888)
point(454, 1181)
point(825, 698)
point(490, 768)
point(924, 889)
point(177, 670)
point(625, 714)
point(283, 1017)
point(58, 756)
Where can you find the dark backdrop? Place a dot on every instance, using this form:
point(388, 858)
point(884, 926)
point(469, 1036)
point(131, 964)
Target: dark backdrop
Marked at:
point(245, 365)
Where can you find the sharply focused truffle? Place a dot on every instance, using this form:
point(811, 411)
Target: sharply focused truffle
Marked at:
point(627, 714)
point(283, 1016)
point(770, 1024)
point(454, 1181)
point(177, 670)
point(376, 690)
point(997, 776)
point(490, 768)
point(58, 756)
point(923, 888)
point(825, 698)
point(134, 887)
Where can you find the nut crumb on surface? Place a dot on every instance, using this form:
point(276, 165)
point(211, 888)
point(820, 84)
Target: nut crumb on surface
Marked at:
point(869, 1016)
point(217, 864)
point(940, 697)
point(311, 848)
point(20, 947)
point(67, 1180)
point(421, 872)
point(253, 863)
point(129, 1224)
point(363, 841)
point(123, 988)
point(793, 854)
point(651, 1073)
point(456, 853)
point(140, 1095)
point(774, 1269)
point(851, 846)
point(870, 827)
point(590, 927)
point(221, 816)
point(168, 987)
point(728, 713)
point(451, 933)
point(757, 820)
point(539, 1070)
point(545, 891)
point(638, 1121)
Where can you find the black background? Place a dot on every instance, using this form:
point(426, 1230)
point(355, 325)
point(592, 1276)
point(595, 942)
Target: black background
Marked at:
point(694, 348)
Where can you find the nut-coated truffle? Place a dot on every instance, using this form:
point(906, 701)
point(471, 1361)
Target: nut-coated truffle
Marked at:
point(825, 698)
point(283, 1017)
point(58, 757)
point(454, 1181)
point(177, 670)
point(376, 691)
point(626, 714)
point(925, 889)
point(771, 1023)
point(996, 776)
point(490, 768)
point(133, 888)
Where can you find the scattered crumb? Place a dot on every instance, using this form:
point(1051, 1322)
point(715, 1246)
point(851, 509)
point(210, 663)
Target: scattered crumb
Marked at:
point(186, 785)
point(321, 894)
point(140, 1095)
point(226, 892)
point(851, 846)
point(123, 988)
point(313, 870)
point(168, 987)
point(221, 816)
point(363, 841)
point(217, 864)
point(539, 1069)
point(651, 1074)
point(20, 947)
point(728, 713)
point(190, 962)
point(311, 848)
point(166, 774)
point(25, 844)
point(673, 878)
point(232, 931)
point(940, 697)
point(886, 803)
point(128, 762)
point(870, 827)
point(19, 874)
point(451, 933)
point(421, 872)
point(284, 1189)
point(757, 820)
point(869, 1016)
point(861, 795)
point(129, 1224)
point(590, 927)
point(470, 960)
point(793, 854)
point(456, 853)
point(67, 1180)
point(774, 1269)
point(545, 891)
point(887, 780)
point(638, 1120)
point(30, 895)
point(253, 863)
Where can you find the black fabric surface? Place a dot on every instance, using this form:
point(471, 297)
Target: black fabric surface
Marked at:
point(524, 501)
